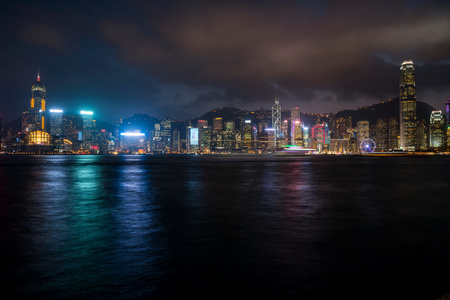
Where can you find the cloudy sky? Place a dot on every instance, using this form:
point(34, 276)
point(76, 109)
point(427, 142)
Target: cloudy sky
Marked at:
point(181, 59)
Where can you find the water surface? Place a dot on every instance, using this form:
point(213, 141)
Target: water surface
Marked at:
point(219, 226)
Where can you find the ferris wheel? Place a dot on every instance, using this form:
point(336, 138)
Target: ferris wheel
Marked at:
point(367, 146)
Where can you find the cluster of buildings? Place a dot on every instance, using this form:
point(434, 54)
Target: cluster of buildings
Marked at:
point(45, 130)
point(330, 134)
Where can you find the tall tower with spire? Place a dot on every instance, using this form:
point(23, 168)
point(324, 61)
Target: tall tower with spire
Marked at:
point(37, 104)
point(276, 117)
point(408, 112)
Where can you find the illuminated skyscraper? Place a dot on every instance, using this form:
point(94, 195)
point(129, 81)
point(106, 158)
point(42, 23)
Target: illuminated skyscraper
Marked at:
point(447, 123)
point(229, 125)
point(56, 122)
point(362, 131)
point(189, 128)
point(270, 138)
point(408, 113)
point(320, 137)
point(276, 118)
point(382, 135)
point(247, 135)
point(386, 134)
point(423, 135)
point(166, 132)
point(205, 138)
point(88, 133)
point(340, 127)
point(202, 125)
point(218, 123)
point(36, 112)
point(176, 142)
point(437, 130)
point(296, 126)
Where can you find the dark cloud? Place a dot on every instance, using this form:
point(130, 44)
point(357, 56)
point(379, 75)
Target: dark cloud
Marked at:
point(250, 45)
point(44, 35)
point(197, 55)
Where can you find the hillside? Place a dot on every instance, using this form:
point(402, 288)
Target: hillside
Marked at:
point(387, 109)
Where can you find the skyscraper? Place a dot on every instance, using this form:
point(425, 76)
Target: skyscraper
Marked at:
point(202, 125)
point(176, 142)
point(56, 122)
point(37, 106)
point(437, 129)
point(320, 137)
point(408, 113)
point(386, 134)
point(88, 134)
point(295, 125)
point(362, 132)
point(229, 125)
point(447, 123)
point(218, 123)
point(276, 118)
point(166, 132)
point(247, 135)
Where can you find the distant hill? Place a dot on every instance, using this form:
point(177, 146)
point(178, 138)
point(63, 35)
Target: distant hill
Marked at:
point(227, 113)
point(387, 109)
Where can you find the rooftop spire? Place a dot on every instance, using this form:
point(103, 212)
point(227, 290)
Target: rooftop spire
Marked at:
point(38, 77)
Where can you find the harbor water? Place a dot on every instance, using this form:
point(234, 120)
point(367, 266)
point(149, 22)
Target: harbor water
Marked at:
point(218, 226)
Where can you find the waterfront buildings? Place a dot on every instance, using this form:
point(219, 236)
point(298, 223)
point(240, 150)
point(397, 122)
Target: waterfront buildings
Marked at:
point(408, 113)
point(235, 130)
point(133, 142)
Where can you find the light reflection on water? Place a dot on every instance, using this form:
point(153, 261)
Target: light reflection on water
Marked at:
point(132, 226)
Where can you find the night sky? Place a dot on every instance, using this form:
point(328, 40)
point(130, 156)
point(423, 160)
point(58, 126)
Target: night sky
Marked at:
point(180, 59)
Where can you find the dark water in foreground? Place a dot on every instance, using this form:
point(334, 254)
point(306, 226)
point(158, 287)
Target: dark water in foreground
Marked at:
point(220, 226)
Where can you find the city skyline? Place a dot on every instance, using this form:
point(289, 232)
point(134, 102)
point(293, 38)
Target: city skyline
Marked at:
point(182, 59)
